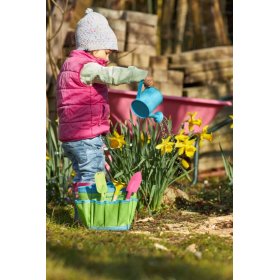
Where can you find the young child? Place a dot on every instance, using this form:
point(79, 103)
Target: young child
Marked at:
point(82, 96)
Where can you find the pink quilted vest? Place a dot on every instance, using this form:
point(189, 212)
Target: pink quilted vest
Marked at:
point(83, 110)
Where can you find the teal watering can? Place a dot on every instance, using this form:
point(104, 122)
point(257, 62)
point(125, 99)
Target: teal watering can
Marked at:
point(146, 102)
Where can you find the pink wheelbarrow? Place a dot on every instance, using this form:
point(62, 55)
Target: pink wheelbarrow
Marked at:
point(174, 107)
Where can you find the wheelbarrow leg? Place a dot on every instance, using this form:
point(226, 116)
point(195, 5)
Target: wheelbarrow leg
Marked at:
point(196, 159)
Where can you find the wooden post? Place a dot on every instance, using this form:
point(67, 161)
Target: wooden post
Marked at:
point(122, 4)
point(79, 11)
point(208, 26)
point(166, 26)
point(182, 9)
point(197, 24)
point(159, 14)
point(150, 6)
point(220, 29)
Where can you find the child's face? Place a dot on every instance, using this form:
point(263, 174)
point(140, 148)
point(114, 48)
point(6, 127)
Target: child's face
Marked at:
point(103, 54)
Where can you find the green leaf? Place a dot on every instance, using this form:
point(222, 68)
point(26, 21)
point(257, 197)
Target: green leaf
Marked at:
point(227, 165)
point(118, 174)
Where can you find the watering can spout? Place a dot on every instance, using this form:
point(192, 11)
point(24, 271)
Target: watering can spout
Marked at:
point(158, 117)
point(146, 102)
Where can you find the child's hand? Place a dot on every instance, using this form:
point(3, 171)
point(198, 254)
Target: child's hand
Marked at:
point(148, 82)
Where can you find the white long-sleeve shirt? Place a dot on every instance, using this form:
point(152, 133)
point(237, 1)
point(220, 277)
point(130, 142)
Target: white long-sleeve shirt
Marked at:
point(95, 73)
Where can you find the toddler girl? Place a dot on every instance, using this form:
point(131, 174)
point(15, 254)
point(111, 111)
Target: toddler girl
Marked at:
point(82, 96)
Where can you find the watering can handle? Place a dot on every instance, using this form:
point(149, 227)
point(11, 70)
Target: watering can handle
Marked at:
point(139, 88)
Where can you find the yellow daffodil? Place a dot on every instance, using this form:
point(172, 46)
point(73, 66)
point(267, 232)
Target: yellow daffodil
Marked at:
point(143, 138)
point(118, 184)
point(47, 157)
point(205, 135)
point(166, 146)
point(73, 173)
point(186, 147)
point(181, 137)
point(117, 141)
point(114, 143)
point(231, 116)
point(192, 121)
point(185, 164)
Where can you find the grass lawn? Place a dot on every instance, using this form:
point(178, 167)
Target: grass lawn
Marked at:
point(167, 246)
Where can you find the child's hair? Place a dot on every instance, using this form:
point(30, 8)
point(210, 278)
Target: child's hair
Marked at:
point(94, 33)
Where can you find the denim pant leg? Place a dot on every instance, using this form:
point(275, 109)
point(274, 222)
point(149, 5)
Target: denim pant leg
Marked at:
point(88, 156)
point(75, 166)
point(95, 159)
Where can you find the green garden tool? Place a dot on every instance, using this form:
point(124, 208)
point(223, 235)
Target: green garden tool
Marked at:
point(119, 186)
point(101, 185)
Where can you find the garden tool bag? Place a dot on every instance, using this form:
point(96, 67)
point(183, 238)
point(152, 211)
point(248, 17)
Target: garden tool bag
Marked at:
point(106, 214)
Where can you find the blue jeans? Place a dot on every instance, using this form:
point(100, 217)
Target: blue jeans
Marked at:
point(87, 157)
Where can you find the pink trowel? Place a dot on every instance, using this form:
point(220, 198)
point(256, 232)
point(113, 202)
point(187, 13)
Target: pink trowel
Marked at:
point(134, 184)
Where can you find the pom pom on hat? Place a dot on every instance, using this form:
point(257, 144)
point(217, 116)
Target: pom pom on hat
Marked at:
point(88, 10)
point(94, 33)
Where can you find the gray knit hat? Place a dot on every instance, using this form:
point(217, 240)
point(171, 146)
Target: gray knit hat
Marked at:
point(94, 33)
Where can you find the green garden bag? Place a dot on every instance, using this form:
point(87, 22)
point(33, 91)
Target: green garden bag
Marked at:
point(107, 214)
